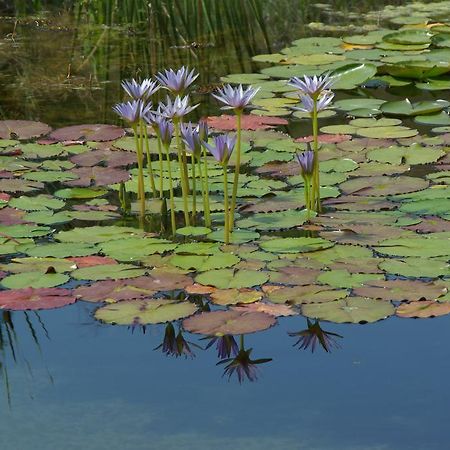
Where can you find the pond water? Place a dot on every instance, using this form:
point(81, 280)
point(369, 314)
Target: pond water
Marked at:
point(71, 381)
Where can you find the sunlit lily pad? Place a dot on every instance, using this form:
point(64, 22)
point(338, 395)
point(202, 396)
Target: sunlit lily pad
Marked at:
point(351, 309)
point(201, 263)
point(408, 109)
point(229, 278)
point(34, 280)
point(423, 309)
point(235, 296)
point(312, 293)
point(142, 312)
point(22, 129)
point(343, 279)
point(94, 235)
point(295, 245)
point(108, 272)
point(220, 323)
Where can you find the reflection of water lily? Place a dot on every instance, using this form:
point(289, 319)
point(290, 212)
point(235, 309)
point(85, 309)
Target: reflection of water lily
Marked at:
point(225, 345)
point(242, 365)
point(315, 334)
point(175, 344)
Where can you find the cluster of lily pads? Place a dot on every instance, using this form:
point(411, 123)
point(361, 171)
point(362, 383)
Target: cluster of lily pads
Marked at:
point(380, 248)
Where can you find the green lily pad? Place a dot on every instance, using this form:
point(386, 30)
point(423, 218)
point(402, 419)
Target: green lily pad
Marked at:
point(202, 263)
point(312, 293)
point(344, 279)
point(295, 245)
point(417, 247)
point(351, 309)
point(143, 312)
point(416, 267)
point(108, 272)
point(352, 75)
point(407, 109)
point(276, 220)
point(34, 280)
point(37, 203)
point(80, 193)
point(387, 132)
point(229, 278)
point(94, 235)
point(133, 249)
point(414, 154)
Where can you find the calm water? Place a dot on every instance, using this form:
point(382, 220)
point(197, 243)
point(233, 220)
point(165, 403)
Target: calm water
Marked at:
point(83, 385)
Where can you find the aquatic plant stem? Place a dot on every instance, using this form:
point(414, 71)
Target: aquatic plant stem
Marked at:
point(161, 168)
point(316, 177)
point(172, 201)
point(194, 190)
point(143, 132)
point(237, 167)
point(227, 215)
point(206, 206)
point(141, 192)
point(307, 197)
point(184, 185)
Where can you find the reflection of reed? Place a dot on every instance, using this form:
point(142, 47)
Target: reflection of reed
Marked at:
point(11, 351)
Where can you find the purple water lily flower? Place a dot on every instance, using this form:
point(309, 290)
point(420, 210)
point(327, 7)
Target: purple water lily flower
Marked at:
point(243, 366)
point(140, 91)
point(191, 138)
point(132, 111)
point(323, 102)
point(306, 161)
point(177, 108)
point(312, 86)
point(226, 345)
point(153, 118)
point(202, 130)
point(235, 97)
point(177, 82)
point(315, 334)
point(165, 131)
point(175, 345)
point(223, 147)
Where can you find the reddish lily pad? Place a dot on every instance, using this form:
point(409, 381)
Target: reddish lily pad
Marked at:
point(89, 132)
point(31, 299)
point(19, 185)
point(22, 129)
point(220, 323)
point(227, 122)
point(326, 138)
point(423, 309)
point(110, 158)
point(90, 261)
point(97, 176)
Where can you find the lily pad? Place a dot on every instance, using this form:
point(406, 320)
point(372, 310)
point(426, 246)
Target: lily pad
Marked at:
point(423, 309)
point(143, 312)
point(221, 323)
point(229, 278)
point(32, 299)
point(295, 245)
point(89, 132)
point(351, 309)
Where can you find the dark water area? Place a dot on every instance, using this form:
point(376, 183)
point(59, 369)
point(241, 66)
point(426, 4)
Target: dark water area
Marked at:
point(70, 382)
point(103, 387)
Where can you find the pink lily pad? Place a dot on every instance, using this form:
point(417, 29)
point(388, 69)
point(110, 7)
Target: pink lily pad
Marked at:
point(31, 299)
point(97, 176)
point(22, 129)
point(227, 122)
point(111, 158)
point(326, 138)
point(88, 132)
point(90, 261)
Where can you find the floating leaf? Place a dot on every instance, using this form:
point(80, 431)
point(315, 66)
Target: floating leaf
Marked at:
point(108, 272)
point(423, 309)
point(235, 296)
point(312, 293)
point(227, 122)
point(143, 312)
point(88, 132)
point(221, 323)
point(229, 278)
point(34, 280)
point(29, 298)
point(351, 309)
point(22, 129)
point(295, 245)
point(204, 262)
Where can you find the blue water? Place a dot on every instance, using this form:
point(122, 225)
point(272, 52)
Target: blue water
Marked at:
point(103, 387)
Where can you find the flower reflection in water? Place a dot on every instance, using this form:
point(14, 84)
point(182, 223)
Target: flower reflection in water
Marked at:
point(315, 334)
point(242, 365)
point(226, 345)
point(175, 344)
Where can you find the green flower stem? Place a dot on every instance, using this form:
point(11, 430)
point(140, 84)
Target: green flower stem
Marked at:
point(307, 196)
point(316, 178)
point(242, 342)
point(172, 202)
point(237, 167)
point(184, 185)
point(227, 215)
point(194, 190)
point(204, 187)
point(161, 169)
point(141, 192)
point(143, 132)
point(206, 207)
